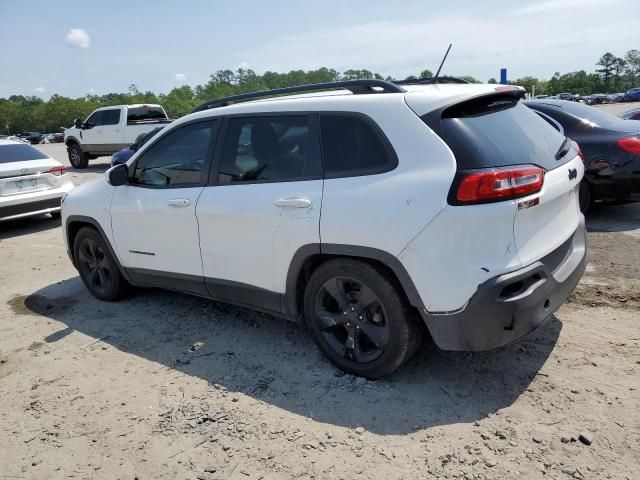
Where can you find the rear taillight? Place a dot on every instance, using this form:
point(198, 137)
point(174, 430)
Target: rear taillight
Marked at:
point(631, 145)
point(496, 184)
point(56, 170)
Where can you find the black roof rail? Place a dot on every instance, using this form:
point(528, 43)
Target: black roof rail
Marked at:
point(431, 80)
point(354, 86)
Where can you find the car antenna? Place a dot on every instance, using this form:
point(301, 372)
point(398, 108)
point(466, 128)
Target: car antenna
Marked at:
point(441, 64)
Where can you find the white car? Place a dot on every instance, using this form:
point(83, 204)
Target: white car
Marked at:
point(109, 129)
point(365, 212)
point(31, 182)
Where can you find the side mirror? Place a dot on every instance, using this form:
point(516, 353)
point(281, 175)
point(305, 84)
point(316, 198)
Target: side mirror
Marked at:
point(117, 175)
point(77, 123)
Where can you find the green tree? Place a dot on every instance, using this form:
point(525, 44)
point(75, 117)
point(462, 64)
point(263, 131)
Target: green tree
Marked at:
point(632, 65)
point(607, 62)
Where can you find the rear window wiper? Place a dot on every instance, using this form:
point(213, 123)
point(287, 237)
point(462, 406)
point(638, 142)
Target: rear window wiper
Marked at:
point(564, 148)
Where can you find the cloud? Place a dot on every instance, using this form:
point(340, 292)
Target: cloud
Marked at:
point(78, 37)
point(180, 77)
point(243, 66)
point(40, 90)
point(555, 5)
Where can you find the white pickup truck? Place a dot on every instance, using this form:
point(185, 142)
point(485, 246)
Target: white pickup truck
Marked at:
point(110, 129)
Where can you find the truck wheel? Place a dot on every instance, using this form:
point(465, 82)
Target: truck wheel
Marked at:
point(359, 318)
point(77, 158)
point(585, 196)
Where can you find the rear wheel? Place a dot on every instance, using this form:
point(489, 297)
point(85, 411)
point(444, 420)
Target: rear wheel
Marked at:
point(77, 158)
point(359, 319)
point(585, 197)
point(97, 267)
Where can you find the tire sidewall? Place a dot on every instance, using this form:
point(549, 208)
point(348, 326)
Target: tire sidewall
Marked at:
point(399, 344)
point(585, 196)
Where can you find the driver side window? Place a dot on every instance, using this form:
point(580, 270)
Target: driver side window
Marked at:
point(178, 158)
point(96, 119)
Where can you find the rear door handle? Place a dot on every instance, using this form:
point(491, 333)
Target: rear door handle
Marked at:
point(293, 202)
point(179, 202)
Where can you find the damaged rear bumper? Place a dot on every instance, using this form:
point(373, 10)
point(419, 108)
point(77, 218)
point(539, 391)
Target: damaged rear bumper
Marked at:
point(510, 306)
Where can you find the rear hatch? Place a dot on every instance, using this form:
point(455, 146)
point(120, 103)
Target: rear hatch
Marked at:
point(497, 136)
point(24, 169)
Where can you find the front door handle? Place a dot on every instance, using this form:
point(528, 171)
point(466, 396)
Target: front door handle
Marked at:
point(293, 202)
point(179, 202)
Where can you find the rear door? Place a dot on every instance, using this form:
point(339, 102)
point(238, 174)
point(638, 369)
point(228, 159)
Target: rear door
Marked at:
point(262, 206)
point(496, 131)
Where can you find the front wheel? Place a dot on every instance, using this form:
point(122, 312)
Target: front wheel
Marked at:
point(77, 157)
point(97, 267)
point(359, 318)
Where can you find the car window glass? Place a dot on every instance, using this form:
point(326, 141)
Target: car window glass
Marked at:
point(350, 145)
point(267, 148)
point(177, 158)
point(97, 118)
point(111, 117)
point(19, 153)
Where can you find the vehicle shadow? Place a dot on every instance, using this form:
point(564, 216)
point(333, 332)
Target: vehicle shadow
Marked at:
point(614, 218)
point(274, 361)
point(26, 226)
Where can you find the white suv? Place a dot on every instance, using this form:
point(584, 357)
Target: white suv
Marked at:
point(364, 212)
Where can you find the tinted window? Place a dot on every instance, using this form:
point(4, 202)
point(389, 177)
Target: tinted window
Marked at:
point(176, 159)
point(19, 153)
point(351, 145)
point(111, 117)
point(550, 121)
point(141, 114)
point(268, 149)
point(97, 118)
point(496, 131)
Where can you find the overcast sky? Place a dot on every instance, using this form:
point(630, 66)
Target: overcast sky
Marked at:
point(79, 47)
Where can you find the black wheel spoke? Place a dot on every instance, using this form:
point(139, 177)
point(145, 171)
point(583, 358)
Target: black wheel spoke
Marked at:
point(329, 320)
point(366, 298)
point(377, 334)
point(102, 277)
point(84, 257)
point(335, 288)
point(92, 277)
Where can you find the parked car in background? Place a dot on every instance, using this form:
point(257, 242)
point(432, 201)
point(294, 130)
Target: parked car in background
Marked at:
point(610, 147)
point(361, 210)
point(31, 182)
point(632, 95)
point(110, 129)
point(31, 137)
point(633, 114)
point(122, 156)
point(566, 96)
point(55, 137)
point(616, 97)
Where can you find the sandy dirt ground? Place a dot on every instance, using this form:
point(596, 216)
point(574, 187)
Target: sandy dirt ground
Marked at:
point(165, 385)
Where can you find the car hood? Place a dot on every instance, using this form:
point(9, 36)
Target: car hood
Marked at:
point(27, 167)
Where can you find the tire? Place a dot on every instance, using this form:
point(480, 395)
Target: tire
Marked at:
point(98, 269)
point(56, 215)
point(585, 197)
point(359, 318)
point(77, 158)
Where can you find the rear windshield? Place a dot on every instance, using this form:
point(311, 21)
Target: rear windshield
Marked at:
point(496, 131)
point(141, 114)
point(19, 153)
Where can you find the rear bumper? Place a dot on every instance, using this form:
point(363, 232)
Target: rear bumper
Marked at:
point(510, 306)
point(33, 203)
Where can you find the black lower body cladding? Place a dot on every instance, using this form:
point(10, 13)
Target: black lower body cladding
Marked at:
point(510, 306)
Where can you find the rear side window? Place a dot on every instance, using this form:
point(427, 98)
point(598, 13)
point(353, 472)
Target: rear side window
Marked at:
point(268, 149)
point(19, 153)
point(352, 146)
point(497, 131)
point(145, 114)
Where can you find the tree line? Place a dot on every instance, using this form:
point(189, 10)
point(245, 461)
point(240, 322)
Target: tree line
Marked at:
point(20, 113)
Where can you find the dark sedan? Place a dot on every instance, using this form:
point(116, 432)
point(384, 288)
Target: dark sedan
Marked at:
point(610, 145)
point(631, 114)
point(32, 137)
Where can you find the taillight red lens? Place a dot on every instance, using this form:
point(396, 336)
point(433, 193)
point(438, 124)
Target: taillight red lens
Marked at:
point(631, 145)
point(500, 184)
point(56, 170)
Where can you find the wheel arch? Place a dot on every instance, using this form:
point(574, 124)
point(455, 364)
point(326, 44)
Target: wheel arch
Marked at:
point(74, 224)
point(309, 257)
point(71, 140)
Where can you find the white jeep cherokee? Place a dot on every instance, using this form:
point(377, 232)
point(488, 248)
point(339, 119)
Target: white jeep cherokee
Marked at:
point(362, 211)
